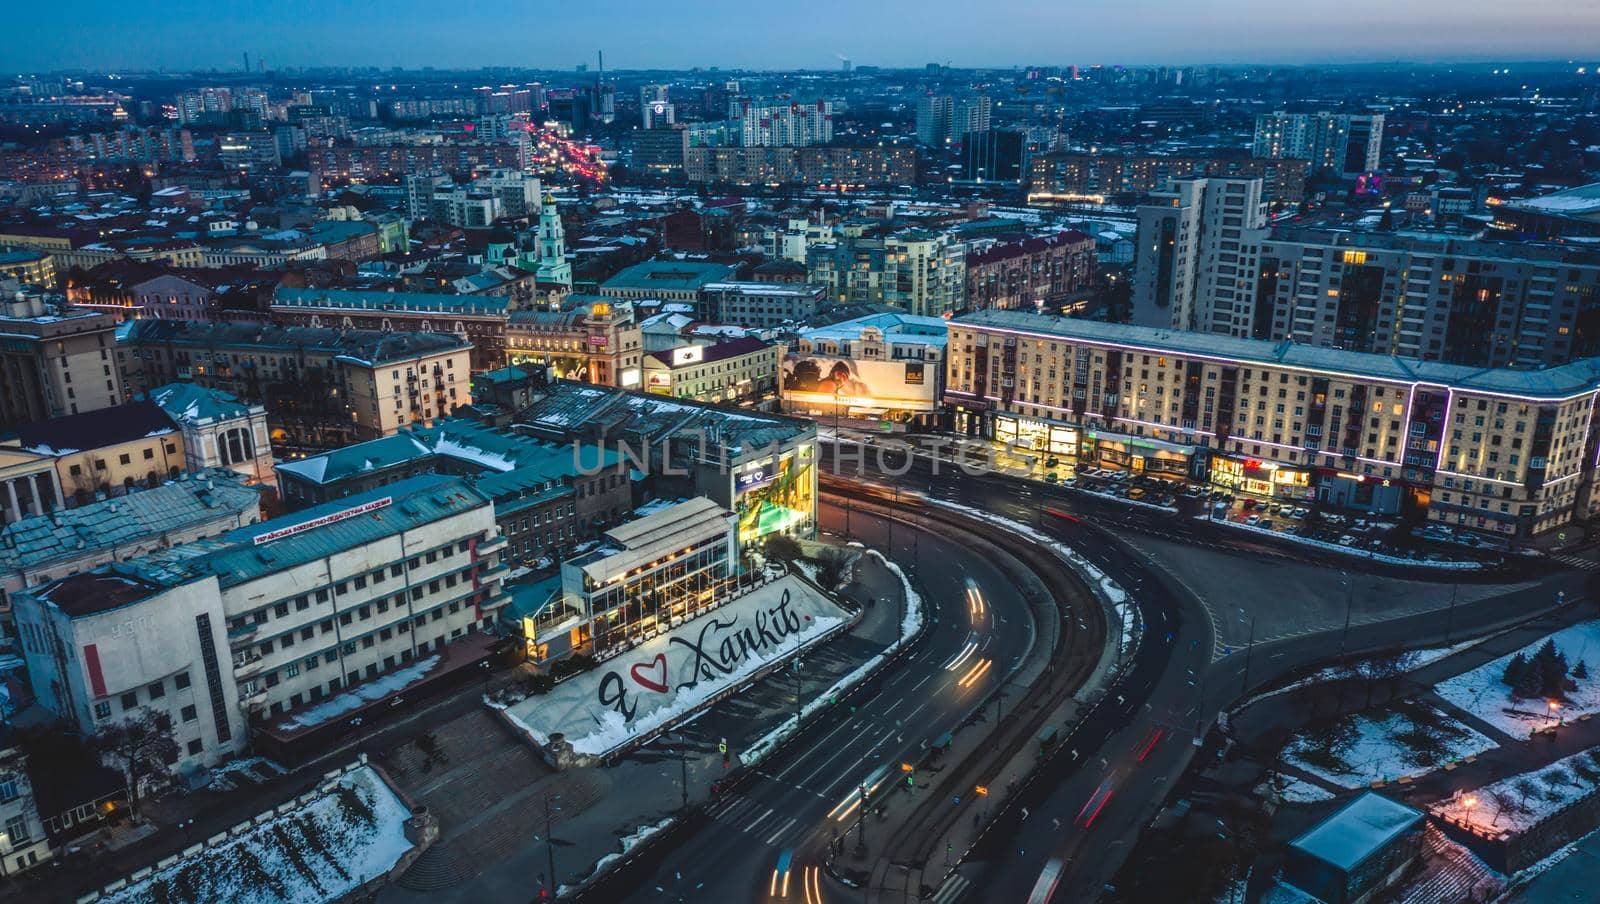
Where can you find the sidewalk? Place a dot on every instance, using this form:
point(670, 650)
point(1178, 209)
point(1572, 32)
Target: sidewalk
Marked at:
point(492, 808)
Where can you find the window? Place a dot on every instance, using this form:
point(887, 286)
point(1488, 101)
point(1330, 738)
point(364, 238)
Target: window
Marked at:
point(17, 831)
point(188, 713)
point(8, 791)
point(194, 747)
point(157, 691)
point(130, 700)
point(181, 681)
point(102, 710)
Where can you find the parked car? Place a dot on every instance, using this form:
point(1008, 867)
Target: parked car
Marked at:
point(1253, 519)
point(1347, 540)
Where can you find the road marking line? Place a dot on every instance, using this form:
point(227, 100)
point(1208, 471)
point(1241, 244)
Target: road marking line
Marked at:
point(773, 838)
point(757, 820)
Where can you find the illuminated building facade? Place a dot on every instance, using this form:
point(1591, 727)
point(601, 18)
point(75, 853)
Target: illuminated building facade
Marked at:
point(1507, 451)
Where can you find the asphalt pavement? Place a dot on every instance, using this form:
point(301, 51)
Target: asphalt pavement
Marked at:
point(778, 824)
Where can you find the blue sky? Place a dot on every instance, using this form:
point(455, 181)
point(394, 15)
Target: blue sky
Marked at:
point(809, 34)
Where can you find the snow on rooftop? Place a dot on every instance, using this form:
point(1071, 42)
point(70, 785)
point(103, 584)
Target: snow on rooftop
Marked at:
point(1357, 831)
point(342, 836)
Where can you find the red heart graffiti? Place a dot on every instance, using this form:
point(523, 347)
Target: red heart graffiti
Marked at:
point(641, 674)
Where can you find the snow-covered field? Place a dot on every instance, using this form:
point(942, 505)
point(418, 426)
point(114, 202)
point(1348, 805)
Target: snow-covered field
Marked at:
point(1521, 802)
point(1384, 744)
point(318, 852)
point(1482, 693)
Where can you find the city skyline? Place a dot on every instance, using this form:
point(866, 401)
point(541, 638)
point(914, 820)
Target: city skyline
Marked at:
point(205, 35)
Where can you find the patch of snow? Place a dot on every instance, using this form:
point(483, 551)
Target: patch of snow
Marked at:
point(1408, 661)
point(1372, 747)
point(629, 842)
point(1482, 693)
point(360, 695)
point(1520, 802)
point(495, 461)
point(318, 852)
point(1299, 791)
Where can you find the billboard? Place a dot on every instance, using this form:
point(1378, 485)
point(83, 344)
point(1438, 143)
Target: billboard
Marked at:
point(822, 381)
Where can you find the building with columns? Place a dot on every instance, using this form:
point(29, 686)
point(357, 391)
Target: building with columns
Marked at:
point(219, 430)
point(97, 455)
point(43, 547)
point(28, 484)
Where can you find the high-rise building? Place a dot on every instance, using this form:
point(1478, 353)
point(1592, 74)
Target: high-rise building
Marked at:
point(1343, 143)
point(249, 152)
point(933, 118)
point(944, 120)
point(1193, 267)
point(994, 155)
point(655, 109)
point(786, 125)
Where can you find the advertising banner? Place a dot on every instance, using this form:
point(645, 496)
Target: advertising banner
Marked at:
point(823, 380)
point(676, 673)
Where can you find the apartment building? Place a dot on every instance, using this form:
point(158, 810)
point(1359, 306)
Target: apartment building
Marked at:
point(1038, 270)
point(739, 371)
point(1194, 265)
point(479, 319)
point(56, 359)
point(1347, 144)
point(321, 388)
point(761, 305)
point(252, 630)
point(1506, 451)
point(1073, 176)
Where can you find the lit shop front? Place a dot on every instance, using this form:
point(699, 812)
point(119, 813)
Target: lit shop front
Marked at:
point(1261, 478)
point(1139, 454)
point(1036, 435)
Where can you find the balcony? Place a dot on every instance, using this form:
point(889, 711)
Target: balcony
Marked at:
point(246, 666)
point(243, 633)
point(254, 699)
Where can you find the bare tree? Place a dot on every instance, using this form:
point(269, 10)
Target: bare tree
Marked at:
point(142, 745)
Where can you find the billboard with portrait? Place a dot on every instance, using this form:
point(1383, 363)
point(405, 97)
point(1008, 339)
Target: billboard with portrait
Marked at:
point(826, 380)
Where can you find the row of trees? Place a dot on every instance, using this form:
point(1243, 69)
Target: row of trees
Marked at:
point(1545, 674)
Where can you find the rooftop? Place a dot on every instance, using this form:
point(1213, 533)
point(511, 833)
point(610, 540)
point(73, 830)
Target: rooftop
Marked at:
point(669, 275)
point(93, 429)
point(248, 553)
point(1552, 383)
point(722, 351)
point(97, 591)
point(1357, 831)
point(654, 537)
point(187, 403)
point(80, 532)
point(895, 327)
point(366, 346)
point(1032, 245)
point(579, 409)
point(379, 300)
point(1574, 202)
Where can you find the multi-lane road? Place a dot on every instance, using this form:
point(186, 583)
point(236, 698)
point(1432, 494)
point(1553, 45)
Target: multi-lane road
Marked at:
point(1079, 820)
point(768, 838)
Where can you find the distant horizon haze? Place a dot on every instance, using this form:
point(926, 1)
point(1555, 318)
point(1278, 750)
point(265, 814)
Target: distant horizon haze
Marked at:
point(208, 34)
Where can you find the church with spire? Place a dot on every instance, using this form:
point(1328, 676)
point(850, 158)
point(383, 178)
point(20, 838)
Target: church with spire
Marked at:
point(551, 257)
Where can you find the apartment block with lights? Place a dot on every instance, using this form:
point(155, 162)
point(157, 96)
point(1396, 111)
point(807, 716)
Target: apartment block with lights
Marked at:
point(1510, 452)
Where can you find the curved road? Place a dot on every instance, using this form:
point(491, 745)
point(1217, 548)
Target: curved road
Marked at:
point(806, 792)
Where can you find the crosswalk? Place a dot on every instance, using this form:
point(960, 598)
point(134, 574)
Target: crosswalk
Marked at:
point(1577, 562)
point(952, 890)
point(757, 820)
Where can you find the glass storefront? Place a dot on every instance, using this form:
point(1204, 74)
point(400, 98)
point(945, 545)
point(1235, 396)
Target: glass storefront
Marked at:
point(1036, 436)
point(1261, 478)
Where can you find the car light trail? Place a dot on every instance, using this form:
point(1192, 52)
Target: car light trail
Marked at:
point(811, 881)
point(976, 673)
point(1150, 745)
point(1095, 803)
point(963, 656)
point(852, 801)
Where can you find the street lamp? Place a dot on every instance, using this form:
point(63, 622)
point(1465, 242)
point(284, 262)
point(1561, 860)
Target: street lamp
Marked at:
point(1553, 708)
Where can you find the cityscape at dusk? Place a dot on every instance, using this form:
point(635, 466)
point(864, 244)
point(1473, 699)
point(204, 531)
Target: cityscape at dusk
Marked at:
point(855, 453)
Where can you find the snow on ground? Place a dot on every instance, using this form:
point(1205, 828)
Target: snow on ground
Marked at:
point(1383, 744)
point(910, 624)
point(1374, 668)
point(1347, 550)
point(321, 851)
point(1298, 790)
point(1482, 693)
point(360, 695)
point(1284, 893)
point(1521, 802)
point(1113, 594)
point(613, 730)
point(629, 842)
